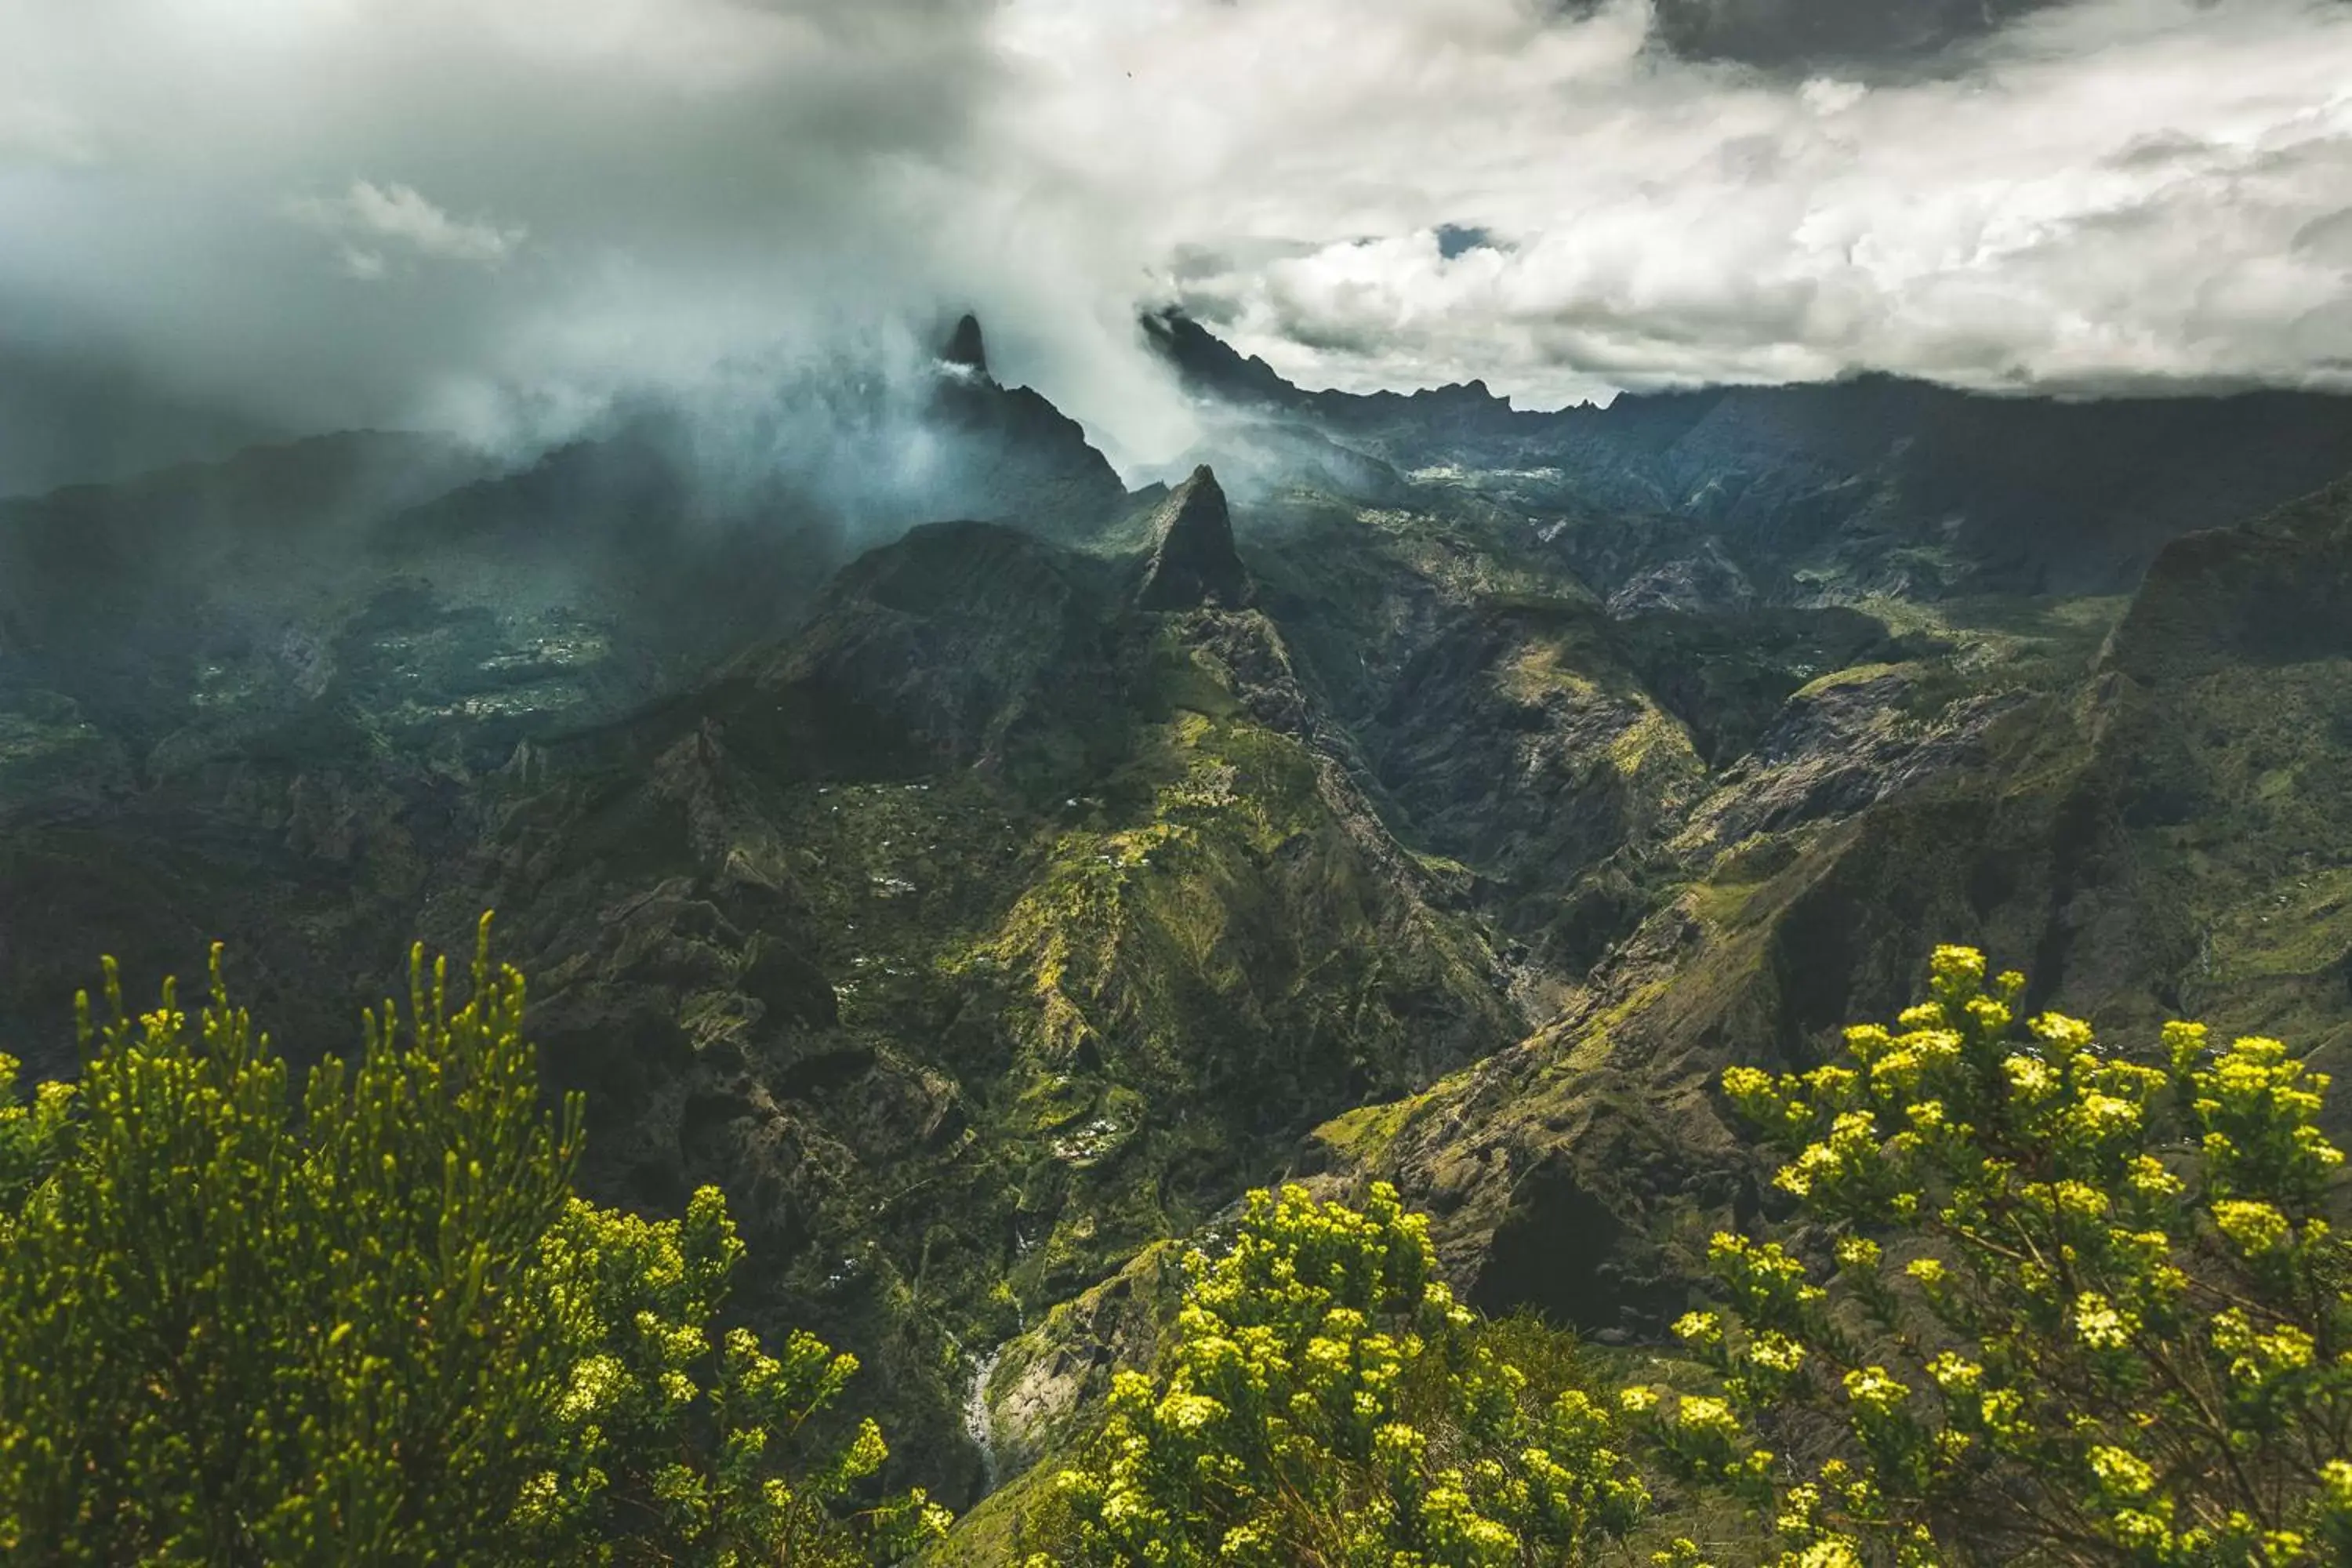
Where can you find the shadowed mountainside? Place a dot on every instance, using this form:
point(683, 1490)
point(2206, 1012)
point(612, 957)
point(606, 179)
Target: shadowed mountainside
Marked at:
point(986, 877)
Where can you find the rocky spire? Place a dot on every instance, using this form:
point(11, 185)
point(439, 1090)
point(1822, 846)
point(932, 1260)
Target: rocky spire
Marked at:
point(1193, 561)
point(965, 347)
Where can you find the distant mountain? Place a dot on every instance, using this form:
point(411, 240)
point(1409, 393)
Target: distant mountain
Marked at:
point(1845, 486)
point(76, 418)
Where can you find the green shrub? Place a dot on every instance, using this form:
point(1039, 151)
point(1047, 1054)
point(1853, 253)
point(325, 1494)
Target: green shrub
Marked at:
point(375, 1326)
point(1324, 1401)
point(2057, 1305)
point(30, 1134)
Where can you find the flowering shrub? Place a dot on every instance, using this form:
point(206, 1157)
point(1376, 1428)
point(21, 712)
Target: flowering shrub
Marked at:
point(1324, 1401)
point(666, 1447)
point(2074, 1308)
point(376, 1327)
point(30, 1134)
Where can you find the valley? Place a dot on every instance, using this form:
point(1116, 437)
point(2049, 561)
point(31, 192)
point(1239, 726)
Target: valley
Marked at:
point(986, 884)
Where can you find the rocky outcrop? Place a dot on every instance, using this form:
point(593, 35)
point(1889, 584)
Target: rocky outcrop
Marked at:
point(1006, 454)
point(966, 350)
point(1193, 559)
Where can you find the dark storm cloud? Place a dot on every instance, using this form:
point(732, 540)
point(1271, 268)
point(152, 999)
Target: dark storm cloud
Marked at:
point(1819, 35)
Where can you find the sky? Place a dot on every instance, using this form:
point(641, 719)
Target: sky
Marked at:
point(497, 215)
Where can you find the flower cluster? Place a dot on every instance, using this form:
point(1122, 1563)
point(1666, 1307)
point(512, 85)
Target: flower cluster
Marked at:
point(251, 1316)
point(2075, 1305)
point(1324, 1398)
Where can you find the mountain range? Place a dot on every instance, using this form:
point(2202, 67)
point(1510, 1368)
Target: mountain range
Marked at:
point(985, 872)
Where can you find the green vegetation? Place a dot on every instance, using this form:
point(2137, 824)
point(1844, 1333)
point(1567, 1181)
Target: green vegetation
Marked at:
point(2040, 1302)
point(31, 1135)
point(1324, 1400)
point(2037, 1302)
point(2073, 1308)
point(370, 1323)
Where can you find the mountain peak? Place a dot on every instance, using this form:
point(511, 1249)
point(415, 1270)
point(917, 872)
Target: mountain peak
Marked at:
point(1207, 363)
point(1193, 561)
point(965, 347)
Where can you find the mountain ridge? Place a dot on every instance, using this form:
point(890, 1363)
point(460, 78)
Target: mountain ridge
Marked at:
point(984, 894)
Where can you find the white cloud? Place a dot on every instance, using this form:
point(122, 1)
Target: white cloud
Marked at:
point(2106, 194)
point(397, 213)
point(1828, 95)
point(574, 195)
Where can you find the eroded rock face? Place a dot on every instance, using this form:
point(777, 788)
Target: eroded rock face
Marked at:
point(1704, 581)
point(1193, 559)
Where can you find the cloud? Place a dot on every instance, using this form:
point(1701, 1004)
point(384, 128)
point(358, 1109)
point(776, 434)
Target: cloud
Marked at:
point(1897, 36)
point(555, 202)
point(368, 214)
point(33, 133)
point(2094, 196)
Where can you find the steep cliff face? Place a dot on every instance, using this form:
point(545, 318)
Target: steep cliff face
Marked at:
point(2152, 824)
point(1002, 453)
point(979, 934)
point(1194, 560)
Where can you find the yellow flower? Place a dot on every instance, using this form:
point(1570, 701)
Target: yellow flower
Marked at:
point(2079, 1199)
point(2256, 1356)
point(1188, 1412)
point(2100, 1324)
point(2121, 1473)
point(1701, 1414)
point(2062, 1032)
point(1829, 1551)
point(2256, 1227)
point(1958, 966)
point(2107, 1116)
point(2151, 1180)
point(2029, 1078)
point(595, 1381)
point(1699, 1328)
point(2004, 1411)
point(1955, 1373)
point(1867, 1041)
point(1876, 1391)
point(1988, 1014)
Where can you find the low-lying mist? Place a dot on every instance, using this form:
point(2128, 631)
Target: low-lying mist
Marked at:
point(548, 578)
